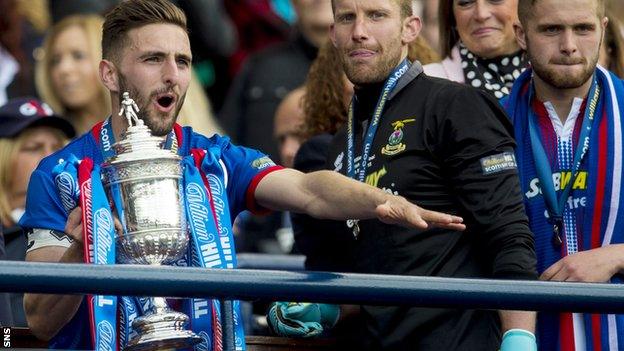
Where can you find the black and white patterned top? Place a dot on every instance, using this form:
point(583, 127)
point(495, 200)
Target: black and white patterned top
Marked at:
point(495, 75)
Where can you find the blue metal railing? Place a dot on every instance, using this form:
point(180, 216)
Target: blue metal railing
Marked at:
point(244, 284)
point(271, 262)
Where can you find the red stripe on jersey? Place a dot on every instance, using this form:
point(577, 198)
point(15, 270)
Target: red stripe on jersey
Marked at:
point(250, 197)
point(596, 332)
point(96, 131)
point(601, 179)
point(177, 129)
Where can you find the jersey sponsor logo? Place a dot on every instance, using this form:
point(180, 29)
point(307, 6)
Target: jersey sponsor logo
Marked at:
point(572, 203)
point(498, 163)
point(262, 162)
point(560, 181)
point(394, 145)
point(373, 178)
point(338, 162)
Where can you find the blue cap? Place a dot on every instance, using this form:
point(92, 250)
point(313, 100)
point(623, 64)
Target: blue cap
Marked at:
point(21, 113)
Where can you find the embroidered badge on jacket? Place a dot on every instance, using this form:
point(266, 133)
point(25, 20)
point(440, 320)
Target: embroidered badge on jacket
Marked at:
point(395, 145)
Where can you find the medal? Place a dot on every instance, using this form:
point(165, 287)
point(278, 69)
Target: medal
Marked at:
point(355, 227)
point(556, 239)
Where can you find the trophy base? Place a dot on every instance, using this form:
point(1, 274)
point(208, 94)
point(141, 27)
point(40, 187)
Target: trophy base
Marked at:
point(162, 331)
point(181, 339)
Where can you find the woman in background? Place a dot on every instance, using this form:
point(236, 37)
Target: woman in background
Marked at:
point(67, 74)
point(612, 49)
point(29, 131)
point(479, 44)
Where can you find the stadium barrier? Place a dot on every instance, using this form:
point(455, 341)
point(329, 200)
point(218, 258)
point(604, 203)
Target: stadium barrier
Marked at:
point(247, 284)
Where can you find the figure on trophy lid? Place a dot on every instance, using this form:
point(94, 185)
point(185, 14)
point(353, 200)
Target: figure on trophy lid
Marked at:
point(130, 109)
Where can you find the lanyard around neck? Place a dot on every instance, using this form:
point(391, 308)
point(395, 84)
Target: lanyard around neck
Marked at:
point(389, 85)
point(554, 204)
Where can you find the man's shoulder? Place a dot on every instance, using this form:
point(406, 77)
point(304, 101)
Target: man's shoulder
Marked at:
point(438, 93)
point(441, 87)
point(195, 140)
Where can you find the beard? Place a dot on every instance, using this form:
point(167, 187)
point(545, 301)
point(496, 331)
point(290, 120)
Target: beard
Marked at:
point(561, 80)
point(159, 123)
point(374, 71)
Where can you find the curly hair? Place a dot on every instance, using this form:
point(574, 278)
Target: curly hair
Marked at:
point(420, 50)
point(324, 101)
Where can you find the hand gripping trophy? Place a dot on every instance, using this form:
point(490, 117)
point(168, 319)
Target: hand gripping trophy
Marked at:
point(142, 181)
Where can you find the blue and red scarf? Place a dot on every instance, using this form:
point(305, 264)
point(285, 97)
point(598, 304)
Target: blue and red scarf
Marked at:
point(600, 221)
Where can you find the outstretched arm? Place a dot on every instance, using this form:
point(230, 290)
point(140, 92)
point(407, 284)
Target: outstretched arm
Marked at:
point(327, 194)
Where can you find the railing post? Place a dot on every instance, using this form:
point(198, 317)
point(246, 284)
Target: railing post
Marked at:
point(227, 313)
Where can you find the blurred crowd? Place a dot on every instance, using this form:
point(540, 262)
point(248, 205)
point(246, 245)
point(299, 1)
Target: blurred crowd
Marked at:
point(264, 73)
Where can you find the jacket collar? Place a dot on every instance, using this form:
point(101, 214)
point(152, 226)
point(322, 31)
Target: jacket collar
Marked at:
point(411, 74)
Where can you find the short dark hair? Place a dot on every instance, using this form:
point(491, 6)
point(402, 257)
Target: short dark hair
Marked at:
point(525, 9)
point(405, 5)
point(131, 14)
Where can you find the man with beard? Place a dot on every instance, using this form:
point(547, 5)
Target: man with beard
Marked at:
point(566, 115)
point(441, 145)
point(146, 53)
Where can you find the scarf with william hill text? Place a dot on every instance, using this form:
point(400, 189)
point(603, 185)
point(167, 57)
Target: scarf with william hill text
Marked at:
point(598, 208)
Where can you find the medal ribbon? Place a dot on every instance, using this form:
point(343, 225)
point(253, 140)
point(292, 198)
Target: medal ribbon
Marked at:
point(554, 204)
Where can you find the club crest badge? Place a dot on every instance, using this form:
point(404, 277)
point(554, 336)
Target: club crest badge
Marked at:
point(395, 145)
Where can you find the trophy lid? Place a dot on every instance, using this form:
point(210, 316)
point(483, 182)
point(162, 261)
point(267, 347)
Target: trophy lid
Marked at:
point(137, 142)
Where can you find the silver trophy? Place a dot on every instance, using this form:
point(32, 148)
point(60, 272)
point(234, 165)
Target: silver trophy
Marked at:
point(145, 179)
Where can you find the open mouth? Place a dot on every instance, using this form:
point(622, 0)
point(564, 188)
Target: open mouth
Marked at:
point(165, 102)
